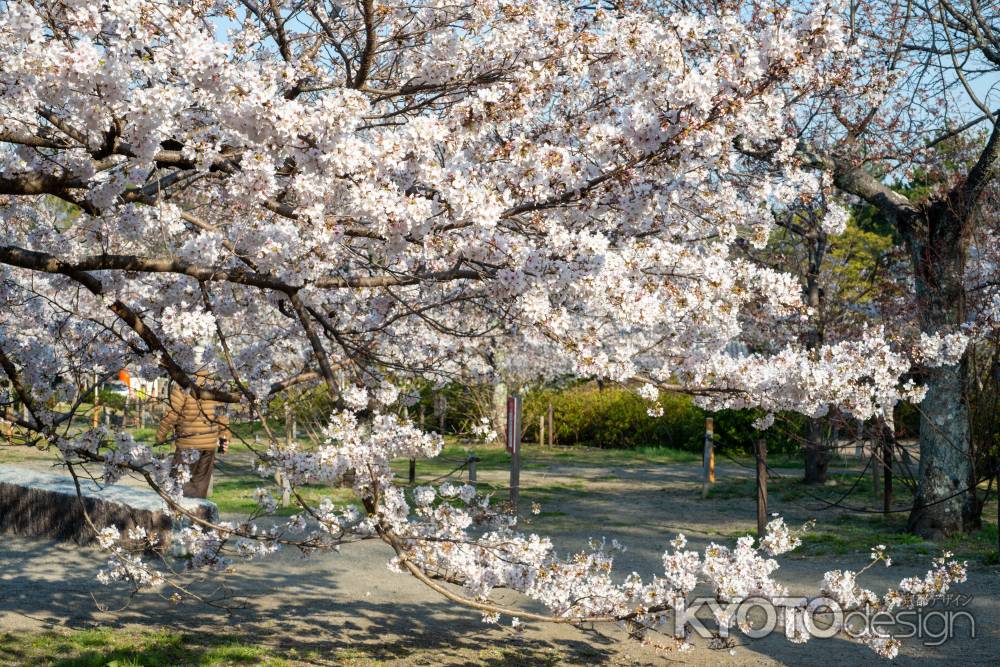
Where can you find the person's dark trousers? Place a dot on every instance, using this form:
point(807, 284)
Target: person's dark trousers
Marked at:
point(201, 473)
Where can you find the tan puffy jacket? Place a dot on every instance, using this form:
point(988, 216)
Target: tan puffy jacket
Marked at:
point(193, 423)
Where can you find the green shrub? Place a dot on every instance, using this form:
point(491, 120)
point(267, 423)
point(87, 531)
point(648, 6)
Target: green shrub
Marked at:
point(111, 400)
point(735, 432)
point(611, 417)
point(615, 417)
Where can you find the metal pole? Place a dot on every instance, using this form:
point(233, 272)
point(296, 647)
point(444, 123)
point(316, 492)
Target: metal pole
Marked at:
point(286, 497)
point(761, 487)
point(97, 401)
point(514, 447)
point(515, 478)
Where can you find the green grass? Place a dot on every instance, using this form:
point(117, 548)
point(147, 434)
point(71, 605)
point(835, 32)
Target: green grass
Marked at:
point(492, 457)
point(235, 495)
point(851, 533)
point(789, 487)
point(133, 647)
point(842, 533)
point(107, 647)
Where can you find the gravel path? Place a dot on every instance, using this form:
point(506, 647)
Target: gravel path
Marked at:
point(350, 604)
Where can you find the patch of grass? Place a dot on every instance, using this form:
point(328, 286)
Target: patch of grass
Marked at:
point(18, 453)
point(609, 457)
point(107, 647)
point(235, 495)
point(980, 545)
point(146, 435)
point(533, 457)
point(724, 489)
point(552, 491)
point(515, 657)
point(789, 488)
point(854, 532)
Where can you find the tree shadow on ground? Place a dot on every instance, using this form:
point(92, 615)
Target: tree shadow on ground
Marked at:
point(279, 603)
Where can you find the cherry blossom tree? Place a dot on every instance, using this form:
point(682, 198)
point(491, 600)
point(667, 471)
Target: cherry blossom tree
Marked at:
point(922, 83)
point(344, 195)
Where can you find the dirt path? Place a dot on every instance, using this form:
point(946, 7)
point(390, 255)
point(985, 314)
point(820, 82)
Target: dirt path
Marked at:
point(350, 606)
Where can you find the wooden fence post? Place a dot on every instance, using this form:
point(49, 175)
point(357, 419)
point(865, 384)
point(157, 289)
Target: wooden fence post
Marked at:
point(552, 430)
point(876, 468)
point(761, 487)
point(708, 457)
point(859, 445)
point(541, 430)
point(514, 447)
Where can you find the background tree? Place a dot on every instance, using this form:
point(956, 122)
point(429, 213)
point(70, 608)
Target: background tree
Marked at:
point(917, 84)
point(357, 194)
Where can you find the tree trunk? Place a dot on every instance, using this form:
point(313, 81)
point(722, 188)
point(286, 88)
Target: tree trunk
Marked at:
point(500, 408)
point(817, 455)
point(937, 253)
point(945, 463)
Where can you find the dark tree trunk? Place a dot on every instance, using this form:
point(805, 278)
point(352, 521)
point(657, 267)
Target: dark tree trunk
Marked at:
point(944, 505)
point(817, 454)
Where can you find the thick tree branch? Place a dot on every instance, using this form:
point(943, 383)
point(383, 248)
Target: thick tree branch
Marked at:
point(39, 261)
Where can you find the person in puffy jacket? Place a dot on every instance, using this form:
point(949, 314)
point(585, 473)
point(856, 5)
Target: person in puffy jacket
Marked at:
point(195, 424)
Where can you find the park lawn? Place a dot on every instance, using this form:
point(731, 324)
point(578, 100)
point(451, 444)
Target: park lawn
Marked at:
point(153, 647)
point(842, 532)
point(235, 494)
point(118, 647)
point(853, 533)
point(534, 457)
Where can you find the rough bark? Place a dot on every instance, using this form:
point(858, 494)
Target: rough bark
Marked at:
point(940, 508)
point(937, 251)
point(936, 236)
point(817, 455)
